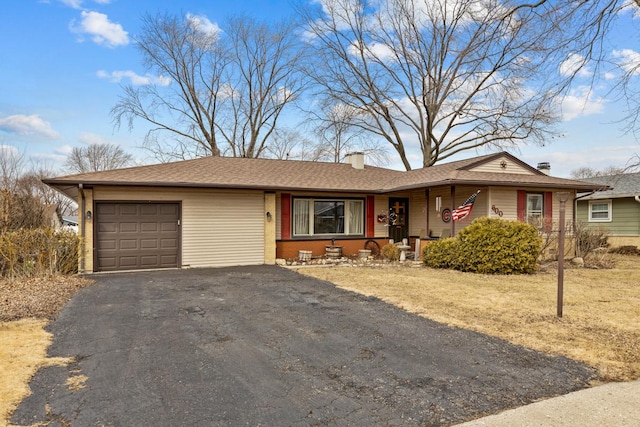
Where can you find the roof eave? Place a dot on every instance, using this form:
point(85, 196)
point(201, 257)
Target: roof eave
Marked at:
point(74, 185)
point(471, 182)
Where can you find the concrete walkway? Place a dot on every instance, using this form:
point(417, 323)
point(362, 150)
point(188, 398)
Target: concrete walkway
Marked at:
point(613, 404)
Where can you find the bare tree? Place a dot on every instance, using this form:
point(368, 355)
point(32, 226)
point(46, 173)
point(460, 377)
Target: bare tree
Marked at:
point(588, 172)
point(228, 87)
point(31, 183)
point(283, 143)
point(586, 27)
point(338, 136)
point(19, 206)
point(443, 75)
point(97, 157)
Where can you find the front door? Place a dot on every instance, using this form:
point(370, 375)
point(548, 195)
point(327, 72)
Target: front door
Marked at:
point(398, 218)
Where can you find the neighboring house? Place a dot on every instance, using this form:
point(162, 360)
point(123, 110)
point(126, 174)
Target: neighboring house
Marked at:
point(221, 211)
point(51, 216)
point(617, 209)
point(70, 222)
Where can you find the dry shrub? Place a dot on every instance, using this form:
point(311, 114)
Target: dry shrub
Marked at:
point(625, 250)
point(391, 252)
point(589, 239)
point(38, 252)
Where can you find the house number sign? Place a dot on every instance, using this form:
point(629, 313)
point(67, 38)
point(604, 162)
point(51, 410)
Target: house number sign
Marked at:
point(496, 210)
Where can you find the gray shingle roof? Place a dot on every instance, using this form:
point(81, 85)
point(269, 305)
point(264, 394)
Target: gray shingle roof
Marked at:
point(622, 185)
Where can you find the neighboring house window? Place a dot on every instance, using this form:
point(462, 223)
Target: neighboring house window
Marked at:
point(312, 217)
point(600, 211)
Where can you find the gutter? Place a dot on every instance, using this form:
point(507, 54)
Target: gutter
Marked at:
point(637, 198)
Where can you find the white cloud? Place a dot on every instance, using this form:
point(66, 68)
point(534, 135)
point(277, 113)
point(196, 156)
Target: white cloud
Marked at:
point(575, 64)
point(77, 4)
point(377, 51)
point(581, 102)
point(27, 125)
point(9, 151)
point(101, 30)
point(134, 78)
point(202, 24)
point(63, 150)
point(628, 59)
point(89, 138)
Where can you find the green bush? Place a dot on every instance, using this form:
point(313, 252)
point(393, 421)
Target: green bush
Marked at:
point(441, 253)
point(38, 252)
point(488, 246)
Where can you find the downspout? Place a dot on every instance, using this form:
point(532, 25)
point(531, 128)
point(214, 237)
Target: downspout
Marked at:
point(575, 206)
point(574, 216)
point(637, 198)
point(82, 226)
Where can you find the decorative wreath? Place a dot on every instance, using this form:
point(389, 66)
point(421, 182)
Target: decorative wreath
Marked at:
point(446, 215)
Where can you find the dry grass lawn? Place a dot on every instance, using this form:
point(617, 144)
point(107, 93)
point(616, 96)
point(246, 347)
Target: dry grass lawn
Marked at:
point(23, 350)
point(26, 306)
point(601, 317)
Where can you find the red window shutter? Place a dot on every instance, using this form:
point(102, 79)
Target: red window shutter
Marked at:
point(548, 211)
point(285, 209)
point(522, 205)
point(371, 217)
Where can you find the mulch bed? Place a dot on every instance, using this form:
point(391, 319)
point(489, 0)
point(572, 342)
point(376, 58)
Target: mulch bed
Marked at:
point(40, 297)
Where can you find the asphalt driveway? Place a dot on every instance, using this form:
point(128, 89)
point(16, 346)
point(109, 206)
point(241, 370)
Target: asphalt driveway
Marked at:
point(267, 346)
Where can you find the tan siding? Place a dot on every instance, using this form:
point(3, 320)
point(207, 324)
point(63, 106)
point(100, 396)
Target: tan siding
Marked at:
point(219, 228)
point(417, 207)
point(436, 224)
point(382, 206)
point(223, 229)
point(269, 228)
point(504, 200)
point(495, 166)
point(88, 232)
point(568, 208)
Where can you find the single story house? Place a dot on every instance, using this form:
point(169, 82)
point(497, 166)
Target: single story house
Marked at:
point(617, 209)
point(221, 211)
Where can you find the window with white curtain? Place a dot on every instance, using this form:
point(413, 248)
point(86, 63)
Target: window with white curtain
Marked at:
point(317, 217)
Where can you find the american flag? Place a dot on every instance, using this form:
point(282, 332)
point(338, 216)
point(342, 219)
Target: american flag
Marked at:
point(464, 210)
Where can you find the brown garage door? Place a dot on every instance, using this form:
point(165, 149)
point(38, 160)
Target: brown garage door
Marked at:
point(133, 236)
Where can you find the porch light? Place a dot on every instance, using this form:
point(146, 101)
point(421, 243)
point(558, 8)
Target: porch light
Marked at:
point(269, 216)
point(89, 215)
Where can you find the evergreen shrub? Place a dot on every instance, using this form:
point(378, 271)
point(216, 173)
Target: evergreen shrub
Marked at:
point(488, 246)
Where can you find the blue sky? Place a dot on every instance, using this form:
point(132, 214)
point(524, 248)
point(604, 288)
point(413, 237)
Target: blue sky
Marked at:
point(62, 63)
